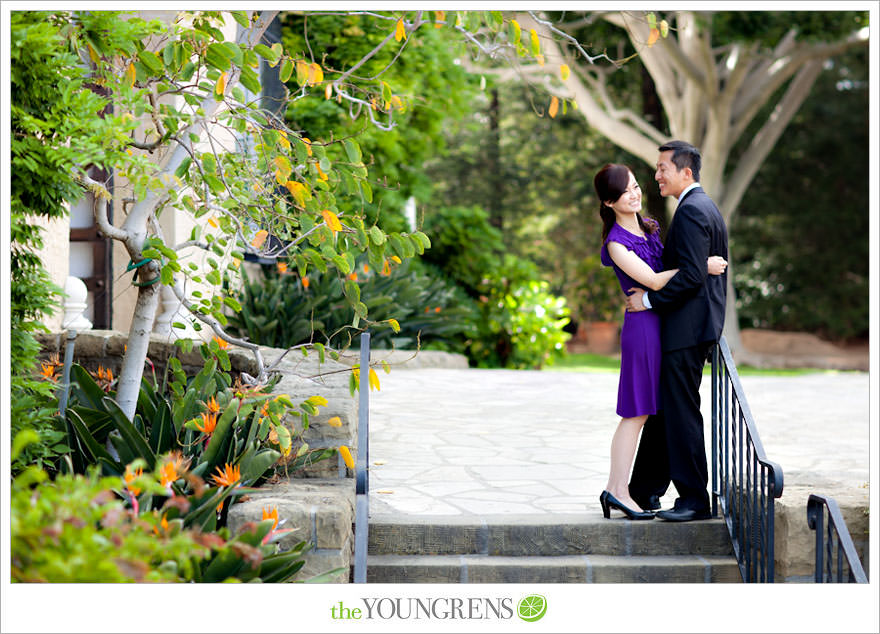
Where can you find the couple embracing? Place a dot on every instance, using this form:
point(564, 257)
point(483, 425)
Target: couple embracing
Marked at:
point(675, 313)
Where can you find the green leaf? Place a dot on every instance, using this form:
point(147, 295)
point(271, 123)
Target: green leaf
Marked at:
point(133, 438)
point(183, 167)
point(241, 18)
point(221, 434)
point(367, 191)
point(377, 235)
point(352, 150)
point(152, 62)
point(214, 183)
point(167, 275)
point(232, 303)
point(514, 32)
point(285, 71)
point(250, 80)
point(254, 469)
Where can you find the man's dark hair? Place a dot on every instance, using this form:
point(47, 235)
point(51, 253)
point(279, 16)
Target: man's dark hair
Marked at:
point(684, 155)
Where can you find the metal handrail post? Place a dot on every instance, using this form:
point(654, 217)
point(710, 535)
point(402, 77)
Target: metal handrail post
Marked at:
point(362, 482)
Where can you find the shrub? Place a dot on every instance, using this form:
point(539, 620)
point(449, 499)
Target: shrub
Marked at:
point(279, 310)
point(78, 528)
point(520, 322)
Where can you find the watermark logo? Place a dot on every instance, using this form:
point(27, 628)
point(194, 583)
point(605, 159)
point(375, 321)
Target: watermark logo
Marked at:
point(532, 608)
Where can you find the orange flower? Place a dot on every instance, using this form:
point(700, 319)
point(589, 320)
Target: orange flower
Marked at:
point(168, 473)
point(353, 277)
point(437, 310)
point(210, 423)
point(386, 269)
point(104, 378)
point(305, 281)
point(48, 371)
point(228, 476)
point(264, 410)
point(221, 343)
point(164, 525)
point(130, 476)
point(366, 268)
point(281, 266)
point(271, 513)
point(213, 405)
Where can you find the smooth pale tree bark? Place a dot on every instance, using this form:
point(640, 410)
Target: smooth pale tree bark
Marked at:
point(711, 97)
point(141, 221)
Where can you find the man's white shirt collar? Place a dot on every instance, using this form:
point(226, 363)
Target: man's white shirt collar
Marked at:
point(686, 190)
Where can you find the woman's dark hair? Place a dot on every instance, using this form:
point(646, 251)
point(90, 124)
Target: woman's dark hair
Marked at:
point(610, 182)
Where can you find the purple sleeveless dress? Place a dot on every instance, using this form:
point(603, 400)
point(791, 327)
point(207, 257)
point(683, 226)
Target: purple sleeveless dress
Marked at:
point(639, 387)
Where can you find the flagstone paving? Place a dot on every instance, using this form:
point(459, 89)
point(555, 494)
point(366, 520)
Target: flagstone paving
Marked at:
point(489, 442)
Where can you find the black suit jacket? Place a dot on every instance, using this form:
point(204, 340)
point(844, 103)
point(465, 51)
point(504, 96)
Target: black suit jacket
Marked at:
point(692, 303)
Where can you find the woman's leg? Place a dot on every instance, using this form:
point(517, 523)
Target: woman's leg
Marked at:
point(623, 449)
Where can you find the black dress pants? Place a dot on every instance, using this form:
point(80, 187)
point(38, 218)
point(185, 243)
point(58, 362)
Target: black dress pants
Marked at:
point(672, 446)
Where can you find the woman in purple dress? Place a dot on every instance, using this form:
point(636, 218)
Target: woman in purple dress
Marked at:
point(631, 245)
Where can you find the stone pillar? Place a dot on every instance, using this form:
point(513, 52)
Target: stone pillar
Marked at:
point(74, 305)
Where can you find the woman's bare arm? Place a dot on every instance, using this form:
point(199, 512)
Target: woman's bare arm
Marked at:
point(638, 269)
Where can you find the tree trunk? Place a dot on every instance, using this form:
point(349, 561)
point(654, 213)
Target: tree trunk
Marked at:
point(496, 180)
point(129, 383)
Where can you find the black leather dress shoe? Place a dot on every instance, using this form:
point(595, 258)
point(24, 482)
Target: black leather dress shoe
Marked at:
point(683, 515)
point(651, 504)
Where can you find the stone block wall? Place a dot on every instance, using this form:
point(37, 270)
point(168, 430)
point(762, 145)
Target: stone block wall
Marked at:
point(795, 544)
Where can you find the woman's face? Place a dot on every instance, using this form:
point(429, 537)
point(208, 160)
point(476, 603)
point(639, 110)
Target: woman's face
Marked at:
point(630, 201)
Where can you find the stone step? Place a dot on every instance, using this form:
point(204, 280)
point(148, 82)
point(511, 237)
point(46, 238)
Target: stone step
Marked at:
point(552, 569)
point(543, 535)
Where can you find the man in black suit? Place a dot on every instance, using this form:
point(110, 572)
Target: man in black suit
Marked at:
point(691, 307)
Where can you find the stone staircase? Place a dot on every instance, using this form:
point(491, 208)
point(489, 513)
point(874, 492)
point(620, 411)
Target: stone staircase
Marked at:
point(583, 548)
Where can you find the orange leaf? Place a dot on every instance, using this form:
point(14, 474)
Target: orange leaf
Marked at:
point(260, 238)
point(439, 16)
point(298, 190)
point(653, 37)
point(400, 31)
point(554, 107)
point(130, 75)
point(332, 220)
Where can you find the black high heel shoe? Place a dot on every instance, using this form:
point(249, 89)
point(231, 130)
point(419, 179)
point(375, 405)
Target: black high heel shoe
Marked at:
point(609, 502)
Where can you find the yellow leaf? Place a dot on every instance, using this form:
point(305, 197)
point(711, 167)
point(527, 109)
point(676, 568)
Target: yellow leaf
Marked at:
point(373, 103)
point(282, 170)
point(395, 325)
point(400, 31)
point(259, 239)
point(316, 74)
point(221, 85)
point(664, 28)
point(302, 71)
point(397, 102)
point(319, 401)
point(328, 91)
point(332, 220)
point(564, 72)
point(282, 140)
point(439, 16)
point(308, 143)
point(540, 59)
point(335, 422)
point(346, 456)
point(554, 107)
point(212, 222)
point(394, 258)
point(373, 378)
point(321, 175)
point(653, 37)
point(298, 190)
point(130, 75)
point(93, 54)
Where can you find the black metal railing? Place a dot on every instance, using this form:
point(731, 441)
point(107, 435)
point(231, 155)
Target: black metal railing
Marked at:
point(824, 517)
point(362, 472)
point(744, 482)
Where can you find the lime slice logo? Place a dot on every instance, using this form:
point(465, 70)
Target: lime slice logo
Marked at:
point(532, 607)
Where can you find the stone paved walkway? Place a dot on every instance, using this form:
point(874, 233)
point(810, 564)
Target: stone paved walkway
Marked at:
point(448, 442)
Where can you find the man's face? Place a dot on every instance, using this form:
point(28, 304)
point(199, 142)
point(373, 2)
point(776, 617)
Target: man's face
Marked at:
point(672, 181)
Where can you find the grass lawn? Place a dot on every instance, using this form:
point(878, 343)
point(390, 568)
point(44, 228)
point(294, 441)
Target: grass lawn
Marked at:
point(583, 362)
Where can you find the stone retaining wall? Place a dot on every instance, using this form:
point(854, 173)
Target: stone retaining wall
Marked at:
point(320, 509)
point(795, 545)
